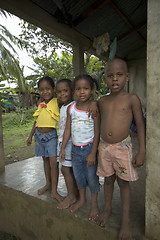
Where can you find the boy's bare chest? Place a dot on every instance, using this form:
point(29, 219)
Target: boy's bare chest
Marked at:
point(115, 107)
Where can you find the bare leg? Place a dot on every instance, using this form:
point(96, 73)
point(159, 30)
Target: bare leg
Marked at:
point(126, 229)
point(47, 172)
point(71, 188)
point(54, 179)
point(94, 207)
point(108, 193)
point(81, 202)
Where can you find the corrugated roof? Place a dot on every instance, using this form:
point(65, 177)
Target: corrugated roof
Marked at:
point(123, 19)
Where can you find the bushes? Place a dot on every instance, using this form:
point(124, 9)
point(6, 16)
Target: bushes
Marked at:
point(20, 118)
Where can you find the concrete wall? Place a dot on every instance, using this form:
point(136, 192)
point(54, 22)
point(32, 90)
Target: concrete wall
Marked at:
point(153, 122)
point(137, 70)
point(34, 219)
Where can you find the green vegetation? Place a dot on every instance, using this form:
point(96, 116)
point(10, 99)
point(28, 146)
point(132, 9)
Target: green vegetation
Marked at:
point(16, 129)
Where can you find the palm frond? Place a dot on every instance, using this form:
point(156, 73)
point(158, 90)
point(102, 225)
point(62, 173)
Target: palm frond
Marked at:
point(4, 13)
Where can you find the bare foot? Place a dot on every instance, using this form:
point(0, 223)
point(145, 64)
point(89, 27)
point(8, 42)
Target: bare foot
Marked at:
point(57, 196)
point(126, 230)
point(67, 202)
point(77, 205)
point(43, 189)
point(93, 213)
point(102, 218)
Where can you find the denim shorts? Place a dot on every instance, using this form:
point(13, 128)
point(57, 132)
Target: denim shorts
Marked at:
point(46, 143)
point(84, 176)
point(68, 160)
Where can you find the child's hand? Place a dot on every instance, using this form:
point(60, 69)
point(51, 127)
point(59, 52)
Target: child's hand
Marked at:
point(93, 109)
point(62, 155)
point(29, 141)
point(138, 160)
point(91, 159)
point(40, 100)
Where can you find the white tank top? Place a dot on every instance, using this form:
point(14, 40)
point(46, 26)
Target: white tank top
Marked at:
point(82, 126)
point(62, 121)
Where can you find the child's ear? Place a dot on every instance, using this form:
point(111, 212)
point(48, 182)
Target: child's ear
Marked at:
point(127, 77)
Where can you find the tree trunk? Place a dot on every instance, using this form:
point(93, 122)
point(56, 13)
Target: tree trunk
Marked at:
point(2, 165)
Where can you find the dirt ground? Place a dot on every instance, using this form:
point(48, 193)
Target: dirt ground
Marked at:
point(18, 155)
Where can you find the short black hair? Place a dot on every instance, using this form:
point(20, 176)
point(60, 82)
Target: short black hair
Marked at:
point(114, 60)
point(48, 79)
point(66, 80)
point(92, 81)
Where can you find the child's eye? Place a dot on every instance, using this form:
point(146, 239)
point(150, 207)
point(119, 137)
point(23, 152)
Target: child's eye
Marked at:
point(110, 76)
point(119, 74)
point(65, 90)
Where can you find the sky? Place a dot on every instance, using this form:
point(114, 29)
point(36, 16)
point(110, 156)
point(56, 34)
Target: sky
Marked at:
point(11, 23)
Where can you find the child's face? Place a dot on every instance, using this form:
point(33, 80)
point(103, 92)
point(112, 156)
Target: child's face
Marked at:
point(116, 76)
point(64, 93)
point(82, 90)
point(46, 90)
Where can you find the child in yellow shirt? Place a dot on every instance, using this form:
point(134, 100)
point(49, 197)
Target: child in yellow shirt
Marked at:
point(44, 131)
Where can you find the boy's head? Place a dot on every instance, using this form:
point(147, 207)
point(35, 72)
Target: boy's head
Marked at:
point(116, 74)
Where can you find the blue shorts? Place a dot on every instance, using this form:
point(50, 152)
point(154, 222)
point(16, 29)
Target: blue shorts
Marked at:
point(46, 143)
point(84, 176)
point(68, 160)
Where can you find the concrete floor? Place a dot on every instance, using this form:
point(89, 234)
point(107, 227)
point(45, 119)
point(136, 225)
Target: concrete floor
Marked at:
point(27, 176)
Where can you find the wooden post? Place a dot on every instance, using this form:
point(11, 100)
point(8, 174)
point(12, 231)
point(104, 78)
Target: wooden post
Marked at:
point(78, 59)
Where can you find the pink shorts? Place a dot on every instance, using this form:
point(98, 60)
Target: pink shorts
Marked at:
point(116, 159)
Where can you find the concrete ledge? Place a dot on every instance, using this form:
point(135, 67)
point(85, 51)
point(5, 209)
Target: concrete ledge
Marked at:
point(31, 218)
point(34, 217)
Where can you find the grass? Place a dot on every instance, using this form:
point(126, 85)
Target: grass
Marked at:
point(15, 134)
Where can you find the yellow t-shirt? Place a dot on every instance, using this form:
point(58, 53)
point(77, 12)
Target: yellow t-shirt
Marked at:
point(47, 115)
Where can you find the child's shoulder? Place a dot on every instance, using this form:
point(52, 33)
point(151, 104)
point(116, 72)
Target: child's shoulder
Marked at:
point(102, 99)
point(133, 97)
point(53, 101)
point(135, 100)
point(53, 105)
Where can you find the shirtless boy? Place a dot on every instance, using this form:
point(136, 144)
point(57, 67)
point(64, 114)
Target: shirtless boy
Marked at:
point(115, 149)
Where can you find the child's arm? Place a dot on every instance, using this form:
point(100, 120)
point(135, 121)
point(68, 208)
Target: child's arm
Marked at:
point(66, 136)
point(29, 140)
point(40, 100)
point(91, 159)
point(93, 109)
point(138, 116)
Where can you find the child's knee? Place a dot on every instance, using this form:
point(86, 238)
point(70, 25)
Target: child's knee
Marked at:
point(122, 183)
point(53, 163)
point(94, 184)
point(110, 180)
